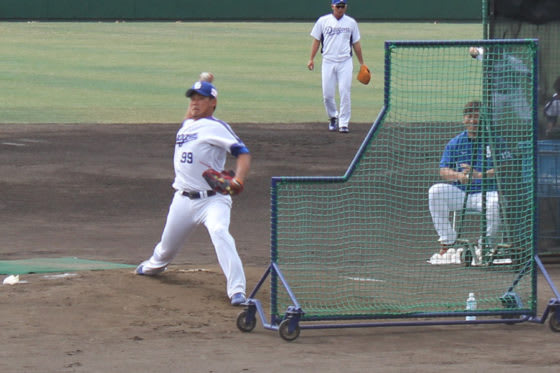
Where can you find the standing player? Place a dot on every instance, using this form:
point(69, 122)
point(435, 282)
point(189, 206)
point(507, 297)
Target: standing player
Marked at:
point(337, 34)
point(201, 143)
point(506, 76)
point(552, 108)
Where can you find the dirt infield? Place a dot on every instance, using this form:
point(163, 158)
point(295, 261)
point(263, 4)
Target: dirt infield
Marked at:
point(102, 191)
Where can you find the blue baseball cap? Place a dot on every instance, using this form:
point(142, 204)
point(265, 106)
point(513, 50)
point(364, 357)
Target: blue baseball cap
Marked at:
point(204, 89)
point(334, 2)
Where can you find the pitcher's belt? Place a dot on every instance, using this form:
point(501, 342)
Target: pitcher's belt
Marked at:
point(197, 195)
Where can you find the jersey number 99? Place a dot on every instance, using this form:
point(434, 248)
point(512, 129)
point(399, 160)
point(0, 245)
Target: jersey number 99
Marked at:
point(187, 157)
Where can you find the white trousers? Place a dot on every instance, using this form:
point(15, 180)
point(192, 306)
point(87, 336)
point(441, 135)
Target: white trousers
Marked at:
point(444, 198)
point(514, 102)
point(332, 74)
point(184, 216)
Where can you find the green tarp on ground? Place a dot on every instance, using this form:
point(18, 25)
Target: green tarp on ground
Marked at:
point(44, 265)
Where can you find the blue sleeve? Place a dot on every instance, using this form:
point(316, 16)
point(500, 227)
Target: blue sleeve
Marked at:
point(446, 158)
point(238, 148)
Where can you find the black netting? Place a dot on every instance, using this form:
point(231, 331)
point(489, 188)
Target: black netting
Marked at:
point(537, 19)
point(533, 11)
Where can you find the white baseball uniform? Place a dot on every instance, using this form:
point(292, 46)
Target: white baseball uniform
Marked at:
point(201, 144)
point(507, 79)
point(552, 108)
point(337, 37)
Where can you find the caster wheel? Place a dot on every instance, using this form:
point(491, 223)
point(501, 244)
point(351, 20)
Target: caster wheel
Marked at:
point(554, 323)
point(284, 331)
point(243, 324)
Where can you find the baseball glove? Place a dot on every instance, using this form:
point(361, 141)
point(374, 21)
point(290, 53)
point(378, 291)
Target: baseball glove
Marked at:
point(223, 182)
point(364, 75)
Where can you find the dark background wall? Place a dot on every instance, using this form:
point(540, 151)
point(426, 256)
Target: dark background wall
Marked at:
point(227, 10)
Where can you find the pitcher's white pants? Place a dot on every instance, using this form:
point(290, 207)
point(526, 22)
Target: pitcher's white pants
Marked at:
point(444, 198)
point(184, 216)
point(332, 74)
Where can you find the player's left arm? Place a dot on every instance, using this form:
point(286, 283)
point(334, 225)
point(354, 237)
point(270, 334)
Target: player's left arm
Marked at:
point(358, 49)
point(243, 163)
point(242, 167)
point(356, 45)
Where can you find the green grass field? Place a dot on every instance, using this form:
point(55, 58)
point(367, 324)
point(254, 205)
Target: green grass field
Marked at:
point(138, 72)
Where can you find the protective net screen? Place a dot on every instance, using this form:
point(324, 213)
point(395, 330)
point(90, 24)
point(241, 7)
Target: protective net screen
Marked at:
point(365, 245)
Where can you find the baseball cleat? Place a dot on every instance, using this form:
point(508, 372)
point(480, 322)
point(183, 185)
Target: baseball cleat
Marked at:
point(238, 299)
point(333, 125)
point(140, 270)
point(343, 129)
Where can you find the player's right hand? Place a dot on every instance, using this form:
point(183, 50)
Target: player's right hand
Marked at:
point(465, 167)
point(310, 65)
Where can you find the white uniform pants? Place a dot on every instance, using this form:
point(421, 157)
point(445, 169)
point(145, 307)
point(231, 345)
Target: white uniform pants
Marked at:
point(444, 198)
point(184, 216)
point(513, 102)
point(332, 74)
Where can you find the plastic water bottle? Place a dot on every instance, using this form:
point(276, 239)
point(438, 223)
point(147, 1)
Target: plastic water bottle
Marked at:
point(471, 306)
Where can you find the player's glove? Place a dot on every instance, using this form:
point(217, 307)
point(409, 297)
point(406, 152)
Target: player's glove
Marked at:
point(364, 75)
point(223, 182)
